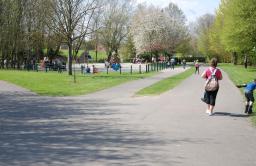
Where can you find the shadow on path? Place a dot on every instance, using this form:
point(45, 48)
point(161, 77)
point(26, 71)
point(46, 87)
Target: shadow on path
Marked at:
point(49, 131)
point(230, 114)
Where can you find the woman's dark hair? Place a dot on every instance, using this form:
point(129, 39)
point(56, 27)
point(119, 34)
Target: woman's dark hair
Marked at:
point(214, 62)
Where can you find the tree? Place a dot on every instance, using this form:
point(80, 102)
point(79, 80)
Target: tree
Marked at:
point(71, 21)
point(147, 29)
point(216, 46)
point(10, 28)
point(193, 49)
point(115, 24)
point(204, 24)
point(158, 30)
point(96, 27)
point(178, 32)
point(128, 50)
point(239, 26)
point(22, 31)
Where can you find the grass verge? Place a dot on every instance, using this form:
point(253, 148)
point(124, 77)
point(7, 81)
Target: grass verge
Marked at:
point(239, 75)
point(54, 84)
point(166, 84)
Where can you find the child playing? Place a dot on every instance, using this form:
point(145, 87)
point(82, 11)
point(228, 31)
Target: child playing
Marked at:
point(248, 92)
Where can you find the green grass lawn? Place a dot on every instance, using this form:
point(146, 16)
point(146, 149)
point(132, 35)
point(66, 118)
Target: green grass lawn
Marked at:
point(54, 84)
point(240, 75)
point(100, 55)
point(166, 84)
point(64, 52)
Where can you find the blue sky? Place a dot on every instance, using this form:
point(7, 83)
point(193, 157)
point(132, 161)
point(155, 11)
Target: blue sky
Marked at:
point(191, 8)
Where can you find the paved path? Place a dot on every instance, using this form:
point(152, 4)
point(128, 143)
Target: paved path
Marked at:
point(129, 89)
point(170, 129)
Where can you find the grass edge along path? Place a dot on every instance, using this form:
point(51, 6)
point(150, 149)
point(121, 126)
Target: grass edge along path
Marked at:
point(239, 75)
point(55, 84)
point(165, 84)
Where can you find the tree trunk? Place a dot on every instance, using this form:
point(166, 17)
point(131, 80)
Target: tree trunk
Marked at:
point(245, 61)
point(70, 57)
point(156, 53)
point(96, 55)
point(96, 50)
point(235, 58)
point(56, 52)
point(109, 55)
point(2, 60)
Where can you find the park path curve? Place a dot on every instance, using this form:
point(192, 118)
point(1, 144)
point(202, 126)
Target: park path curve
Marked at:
point(107, 128)
point(129, 89)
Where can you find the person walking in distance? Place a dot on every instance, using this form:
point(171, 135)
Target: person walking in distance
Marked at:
point(197, 67)
point(212, 76)
point(172, 63)
point(184, 63)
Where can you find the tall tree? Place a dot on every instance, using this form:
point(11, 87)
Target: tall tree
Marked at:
point(115, 24)
point(216, 46)
point(204, 24)
point(156, 30)
point(97, 17)
point(72, 21)
point(178, 37)
point(128, 50)
point(22, 30)
point(239, 26)
point(148, 28)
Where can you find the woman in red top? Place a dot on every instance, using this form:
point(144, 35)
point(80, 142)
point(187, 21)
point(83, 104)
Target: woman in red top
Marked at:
point(210, 96)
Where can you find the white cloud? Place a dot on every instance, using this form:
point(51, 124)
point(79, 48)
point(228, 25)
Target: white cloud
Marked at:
point(191, 8)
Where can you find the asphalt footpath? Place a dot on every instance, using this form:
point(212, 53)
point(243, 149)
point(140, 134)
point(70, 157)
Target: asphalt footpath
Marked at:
point(113, 128)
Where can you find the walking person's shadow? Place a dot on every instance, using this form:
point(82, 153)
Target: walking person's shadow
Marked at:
point(231, 114)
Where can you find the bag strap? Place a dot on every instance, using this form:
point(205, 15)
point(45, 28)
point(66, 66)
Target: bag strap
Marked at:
point(214, 74)
point(214, 71)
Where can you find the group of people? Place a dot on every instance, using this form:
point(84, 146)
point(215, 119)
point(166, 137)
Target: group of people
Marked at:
point(88, 70)
point(94, 69)
point(213, 75)
point(173, 62)
point(53, 64)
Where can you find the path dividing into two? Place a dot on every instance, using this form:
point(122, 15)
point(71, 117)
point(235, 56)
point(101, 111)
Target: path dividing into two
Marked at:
point(115, 127)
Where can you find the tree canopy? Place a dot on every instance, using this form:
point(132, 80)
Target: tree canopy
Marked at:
point(232, 31)
point(157, 30)
point(30, 30)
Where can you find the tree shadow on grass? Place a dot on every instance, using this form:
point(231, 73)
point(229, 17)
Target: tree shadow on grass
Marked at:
point(253, 70)
point(51, 131)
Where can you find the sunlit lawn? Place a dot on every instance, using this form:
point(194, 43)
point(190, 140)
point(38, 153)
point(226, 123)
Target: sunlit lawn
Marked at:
point(55, 84)
point(166, 84)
